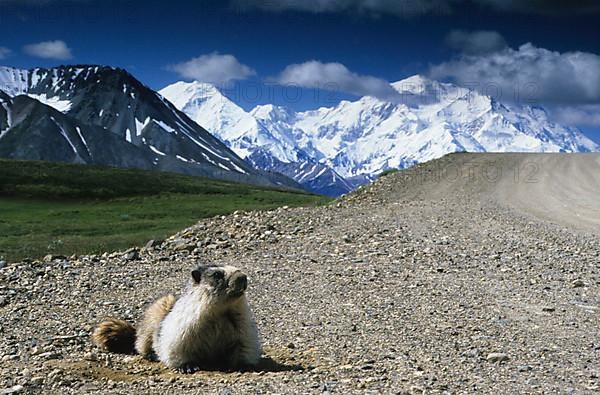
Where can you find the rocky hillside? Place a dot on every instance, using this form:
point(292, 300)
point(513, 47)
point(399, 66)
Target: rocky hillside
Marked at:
point(416, 284)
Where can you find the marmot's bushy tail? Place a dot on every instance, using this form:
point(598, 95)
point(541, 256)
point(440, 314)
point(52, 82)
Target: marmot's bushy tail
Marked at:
point(116, 336)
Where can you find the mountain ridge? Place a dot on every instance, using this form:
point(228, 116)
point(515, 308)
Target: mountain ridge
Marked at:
point(360, 139)
point(264, 146)
point(329, 150)
point(111, 101)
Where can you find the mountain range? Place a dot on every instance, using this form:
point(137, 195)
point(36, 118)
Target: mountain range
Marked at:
point(103, 115)
point(349, 144)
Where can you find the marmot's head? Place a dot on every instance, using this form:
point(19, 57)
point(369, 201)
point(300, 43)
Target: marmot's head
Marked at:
point(220, 283)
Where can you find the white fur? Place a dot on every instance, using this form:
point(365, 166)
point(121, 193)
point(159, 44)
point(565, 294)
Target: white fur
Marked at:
point(198, 329)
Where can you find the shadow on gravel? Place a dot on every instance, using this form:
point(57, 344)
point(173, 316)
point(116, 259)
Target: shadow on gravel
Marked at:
point(137, 368)
point(268, 364)
point(265, 365)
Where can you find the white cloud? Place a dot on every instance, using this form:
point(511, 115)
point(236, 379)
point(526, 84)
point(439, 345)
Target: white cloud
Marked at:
point(411, 8)
point(214, 68)
point(584, 115)
point(317, 74)
point(4, 52)
point(554, 7)
point(537, 74)
point(402, 8)
point(476, 42)
point(49, 50)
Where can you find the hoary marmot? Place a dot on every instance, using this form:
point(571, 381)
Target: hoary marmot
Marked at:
point(209, 327)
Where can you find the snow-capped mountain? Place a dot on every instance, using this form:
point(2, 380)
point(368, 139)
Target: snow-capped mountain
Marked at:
point(113, 105)
point(360, 139)
point(263, 144)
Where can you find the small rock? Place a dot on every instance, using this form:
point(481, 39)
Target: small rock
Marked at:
point(2, 264)
point(90, 356)
point(524, 368)
point(578, 283)
point(49, 355)
point(497, 357)
point(37, 380)
point(133, 255)
point(182, 245)
point(13, 390)
point(37, 350)
point(129, 359)
point(472, 353)
point(548, 309)
point(291, 345)
point(153, 244)
point(50, 258)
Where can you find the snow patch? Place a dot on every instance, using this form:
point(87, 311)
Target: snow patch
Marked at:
point(13, 81)
point(54, 102)
point(164, 126)
point(65, 135)
point(82, 138)
point(156, 151)
point(8, 120)
point(139, 126)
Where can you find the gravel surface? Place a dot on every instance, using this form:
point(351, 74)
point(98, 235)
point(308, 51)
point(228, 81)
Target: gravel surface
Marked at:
point(411, 285)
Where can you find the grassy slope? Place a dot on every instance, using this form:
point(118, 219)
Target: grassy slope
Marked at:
point(69, 209)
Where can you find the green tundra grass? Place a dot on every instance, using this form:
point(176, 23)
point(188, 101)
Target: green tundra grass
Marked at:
point(53, 208)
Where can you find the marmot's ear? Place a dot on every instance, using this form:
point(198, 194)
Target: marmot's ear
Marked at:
point(197, 275)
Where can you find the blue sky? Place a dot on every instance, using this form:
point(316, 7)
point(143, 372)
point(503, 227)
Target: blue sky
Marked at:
point(355, 46)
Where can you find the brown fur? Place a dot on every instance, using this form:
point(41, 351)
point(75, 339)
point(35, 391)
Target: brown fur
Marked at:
point(149, 327)
point(115, 335)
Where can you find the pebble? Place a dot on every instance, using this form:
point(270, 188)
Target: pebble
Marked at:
point(90, 356)
point(49, 355)
point(497, 357)
point(13, 390)
point(132, 255)
point(578, 283)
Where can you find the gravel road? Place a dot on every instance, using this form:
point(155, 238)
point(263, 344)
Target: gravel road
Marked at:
point(421, 283)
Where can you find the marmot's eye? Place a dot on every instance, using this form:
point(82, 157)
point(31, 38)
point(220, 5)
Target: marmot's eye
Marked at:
point(218, 275)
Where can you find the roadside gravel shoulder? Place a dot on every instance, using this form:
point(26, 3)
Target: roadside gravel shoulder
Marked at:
point(393, 289)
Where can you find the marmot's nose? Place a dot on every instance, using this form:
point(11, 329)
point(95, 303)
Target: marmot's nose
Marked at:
point(239, 281)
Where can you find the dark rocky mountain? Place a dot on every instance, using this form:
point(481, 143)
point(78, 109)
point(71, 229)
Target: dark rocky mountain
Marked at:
point(309, 173)
point(103, 115)
point(34, 131)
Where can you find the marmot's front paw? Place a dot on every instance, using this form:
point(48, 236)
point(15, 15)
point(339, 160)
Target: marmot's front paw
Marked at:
point(187, 369)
